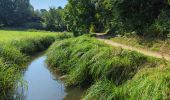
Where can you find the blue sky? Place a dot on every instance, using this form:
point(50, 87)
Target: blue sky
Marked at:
point(45, 4)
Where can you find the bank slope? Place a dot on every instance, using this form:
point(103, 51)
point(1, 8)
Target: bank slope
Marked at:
point(114, 73)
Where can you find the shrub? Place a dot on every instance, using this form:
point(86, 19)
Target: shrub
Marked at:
point(161, 27)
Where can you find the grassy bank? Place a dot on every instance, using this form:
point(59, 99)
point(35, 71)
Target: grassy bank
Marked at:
point(147, 84)
point(117, 73)
point(15, 49)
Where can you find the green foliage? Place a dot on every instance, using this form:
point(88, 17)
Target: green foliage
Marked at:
point(118, 74)
point(14, 57)
point(86, 59)
point(161, 26)
point(105, 90)
point(53, 19)
point(15, 12)
point(79, 15)
point(15, 49)
point(148, 83)
point(9, 76)
point(136, 15)
point(34, 25)
point(145, 17)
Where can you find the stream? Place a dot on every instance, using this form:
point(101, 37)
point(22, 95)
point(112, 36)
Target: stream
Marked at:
point(43, 84)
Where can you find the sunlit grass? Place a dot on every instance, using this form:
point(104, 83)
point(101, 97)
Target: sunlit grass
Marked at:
point(15, 49)
point(114, 73)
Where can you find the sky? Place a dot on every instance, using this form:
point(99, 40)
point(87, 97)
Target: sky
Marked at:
point(45, 4)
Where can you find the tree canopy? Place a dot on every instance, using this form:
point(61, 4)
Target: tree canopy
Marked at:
point(118, 16)
point(143, 17)
point(15, 12)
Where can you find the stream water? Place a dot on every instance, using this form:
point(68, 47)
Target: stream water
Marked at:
point(42, 84)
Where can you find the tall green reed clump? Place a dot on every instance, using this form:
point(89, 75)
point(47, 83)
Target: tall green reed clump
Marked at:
point(118, 74)
point(15, 53)
point(86, 60)
point(8, 76)
point(147, 84)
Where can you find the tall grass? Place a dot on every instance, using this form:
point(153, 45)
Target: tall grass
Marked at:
point(87, 59)
point(150, 83)
point(147, 84)
point(15, 49)
point(118, 74)
point(106, 90)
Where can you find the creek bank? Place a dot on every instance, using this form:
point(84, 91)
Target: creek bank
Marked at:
point(45, 85)
point(16, 49)
point(113, 73)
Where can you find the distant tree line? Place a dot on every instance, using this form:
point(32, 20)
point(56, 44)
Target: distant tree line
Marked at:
point(53, 19)
point(20, 13)
point(15, 12)
point(141, 17)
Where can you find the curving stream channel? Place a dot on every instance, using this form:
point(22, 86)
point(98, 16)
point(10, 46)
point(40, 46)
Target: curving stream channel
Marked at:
point(42, 84)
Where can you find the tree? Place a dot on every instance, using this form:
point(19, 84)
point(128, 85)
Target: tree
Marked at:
point(53, 19)
point(15, 12)
point(138, 15)
point(79, 14)
point(6, 8)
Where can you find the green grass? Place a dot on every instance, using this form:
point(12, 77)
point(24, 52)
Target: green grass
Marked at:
point(118, 74)
point(15, 49)
point(158, 45)
point(147, 84)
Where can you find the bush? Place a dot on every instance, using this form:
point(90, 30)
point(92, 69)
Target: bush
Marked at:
point(34, 25)
point(161, 27)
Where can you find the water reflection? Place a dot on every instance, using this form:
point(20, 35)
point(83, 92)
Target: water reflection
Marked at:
point(44, 85)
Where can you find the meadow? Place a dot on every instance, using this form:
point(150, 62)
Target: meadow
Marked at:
point(16, 48)
point(111, 73)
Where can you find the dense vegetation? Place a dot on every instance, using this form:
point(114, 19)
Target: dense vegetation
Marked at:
point(53, 19)
point(120, 74)
point(21, 9)
point(15, 49)
point(21, 14)
point(142, 17)
point(112, 73)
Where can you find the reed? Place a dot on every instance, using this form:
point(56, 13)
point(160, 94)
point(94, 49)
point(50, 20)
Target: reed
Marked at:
point(16, 47)
point(86, 59)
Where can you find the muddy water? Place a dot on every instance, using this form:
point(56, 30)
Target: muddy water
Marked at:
point(45, 85)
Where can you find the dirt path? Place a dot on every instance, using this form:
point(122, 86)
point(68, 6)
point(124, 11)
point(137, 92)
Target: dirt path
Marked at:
point(145, 52)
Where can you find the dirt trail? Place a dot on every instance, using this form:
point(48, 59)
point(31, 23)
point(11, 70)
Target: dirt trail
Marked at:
point(145, 52)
